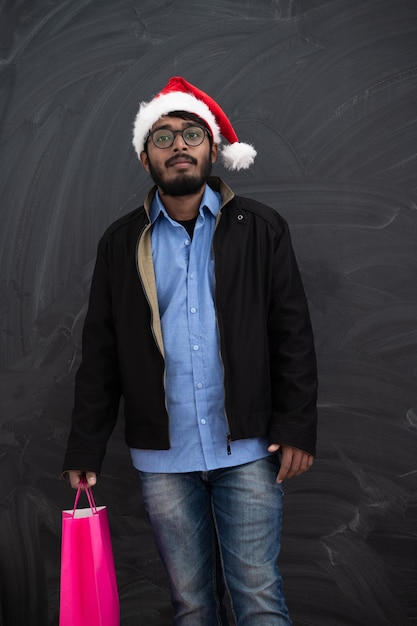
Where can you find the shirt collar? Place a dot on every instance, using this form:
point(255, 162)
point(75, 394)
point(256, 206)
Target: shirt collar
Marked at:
point(211, 199)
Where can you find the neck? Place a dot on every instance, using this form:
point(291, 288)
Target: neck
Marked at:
point(182, 207)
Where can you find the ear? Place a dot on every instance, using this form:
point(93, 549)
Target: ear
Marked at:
point(214, 152)
point(144, 160)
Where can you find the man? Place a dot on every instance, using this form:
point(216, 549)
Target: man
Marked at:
point(197, 316)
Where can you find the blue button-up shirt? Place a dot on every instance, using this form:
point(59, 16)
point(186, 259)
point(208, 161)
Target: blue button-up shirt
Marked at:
point(184, 271)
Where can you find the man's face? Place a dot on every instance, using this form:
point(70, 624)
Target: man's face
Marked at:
point(181, 169)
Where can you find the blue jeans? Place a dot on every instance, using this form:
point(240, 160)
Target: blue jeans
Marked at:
point(234, 513)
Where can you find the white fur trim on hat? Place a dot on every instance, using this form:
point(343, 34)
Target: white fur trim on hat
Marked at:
point(150, 112)
point(238, 156)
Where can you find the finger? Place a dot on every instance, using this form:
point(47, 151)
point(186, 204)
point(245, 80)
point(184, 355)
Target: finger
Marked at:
point(286, 463)
point(296, 466)
point(282, 474)
point(274, 447)
point(301, 462)
point(309, 459)
point(78, 476)
point(75, 478)
point(91, 478)
point(306, 463)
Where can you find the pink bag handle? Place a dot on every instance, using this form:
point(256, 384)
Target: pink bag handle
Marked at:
point(83, 486)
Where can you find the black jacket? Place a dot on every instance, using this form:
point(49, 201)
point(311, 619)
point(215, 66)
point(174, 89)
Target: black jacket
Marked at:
point(264, 326)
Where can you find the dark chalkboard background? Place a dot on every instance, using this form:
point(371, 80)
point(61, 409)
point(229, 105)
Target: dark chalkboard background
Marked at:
point(326, 90)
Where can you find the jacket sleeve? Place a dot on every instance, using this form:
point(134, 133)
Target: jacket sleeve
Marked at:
point(292, 354)
point(97, 384)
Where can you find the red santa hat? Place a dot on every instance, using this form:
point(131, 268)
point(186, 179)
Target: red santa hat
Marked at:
point(179, 95)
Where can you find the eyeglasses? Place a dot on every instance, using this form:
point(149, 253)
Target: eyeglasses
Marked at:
point(165, 137)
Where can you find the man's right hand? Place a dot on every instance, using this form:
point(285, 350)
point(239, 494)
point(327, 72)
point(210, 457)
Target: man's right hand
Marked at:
point(75, 477)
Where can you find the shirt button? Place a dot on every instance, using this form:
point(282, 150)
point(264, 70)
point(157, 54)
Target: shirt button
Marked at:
point(199, 385)
point(193, 309)
point(195, 347)
point(192, 275)
point(203, 421)
point(187, 242)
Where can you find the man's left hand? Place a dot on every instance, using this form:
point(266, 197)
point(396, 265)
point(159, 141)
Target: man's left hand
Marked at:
point(293, 461)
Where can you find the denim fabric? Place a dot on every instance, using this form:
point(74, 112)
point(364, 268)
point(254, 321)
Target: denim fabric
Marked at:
point(238, 508)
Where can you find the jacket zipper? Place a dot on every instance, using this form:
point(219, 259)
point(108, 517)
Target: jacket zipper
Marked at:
point(228, 441)
point(228, 433)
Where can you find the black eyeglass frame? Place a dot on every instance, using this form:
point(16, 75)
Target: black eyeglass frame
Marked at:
point(178, 132)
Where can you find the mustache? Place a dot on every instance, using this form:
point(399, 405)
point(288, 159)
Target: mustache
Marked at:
point(180, 157)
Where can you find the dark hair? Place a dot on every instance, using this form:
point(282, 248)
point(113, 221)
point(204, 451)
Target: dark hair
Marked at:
point(186, 115)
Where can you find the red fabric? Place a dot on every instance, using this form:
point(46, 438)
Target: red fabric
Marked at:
point(177, 83)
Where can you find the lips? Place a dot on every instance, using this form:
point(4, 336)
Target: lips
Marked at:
point(180, 160)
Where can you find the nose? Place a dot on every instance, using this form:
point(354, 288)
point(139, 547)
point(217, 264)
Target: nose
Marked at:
point(179, 143)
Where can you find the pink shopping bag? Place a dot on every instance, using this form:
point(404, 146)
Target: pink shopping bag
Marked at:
point(88, 590)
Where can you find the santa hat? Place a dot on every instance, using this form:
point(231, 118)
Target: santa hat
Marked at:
point(179, 95)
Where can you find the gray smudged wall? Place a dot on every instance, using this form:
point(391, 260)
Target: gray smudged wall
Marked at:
point(327, 92)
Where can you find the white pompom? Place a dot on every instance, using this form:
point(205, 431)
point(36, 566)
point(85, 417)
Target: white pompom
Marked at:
point(238, 156)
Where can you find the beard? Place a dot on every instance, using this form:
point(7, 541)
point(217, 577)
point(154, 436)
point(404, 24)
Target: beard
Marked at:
point(184, 184)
